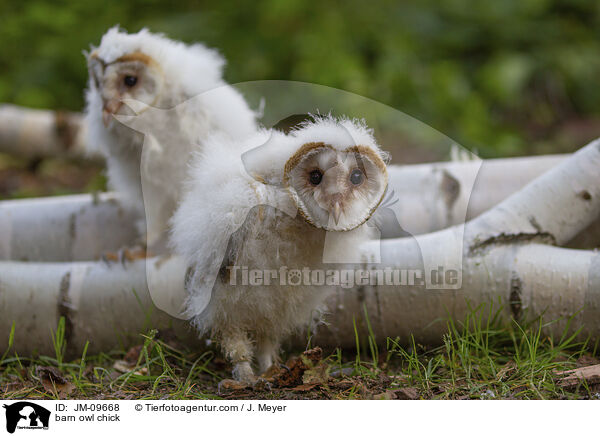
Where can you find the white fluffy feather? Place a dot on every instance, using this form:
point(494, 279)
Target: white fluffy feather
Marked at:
point(193, 68)
point(235, 212)
point(193, 102)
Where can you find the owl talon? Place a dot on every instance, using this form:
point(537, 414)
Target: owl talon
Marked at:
point(124, 256)
point(109, 259)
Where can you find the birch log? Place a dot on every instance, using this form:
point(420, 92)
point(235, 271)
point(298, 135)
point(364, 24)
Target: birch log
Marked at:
point(499, 255)
point(34, 133)
point(75, 227)
point(107, 305)
point(438, 195)
point(431, 197)
point(506, 254)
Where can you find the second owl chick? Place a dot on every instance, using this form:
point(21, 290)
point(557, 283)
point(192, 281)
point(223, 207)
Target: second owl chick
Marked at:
point(178, 96)
point(268, 207)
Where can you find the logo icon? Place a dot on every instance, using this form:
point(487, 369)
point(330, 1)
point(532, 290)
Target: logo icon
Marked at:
point(26, 415)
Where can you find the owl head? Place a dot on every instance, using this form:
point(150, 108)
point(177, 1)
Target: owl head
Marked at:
point(134, 76)
point(337, 177)
point(149, 68)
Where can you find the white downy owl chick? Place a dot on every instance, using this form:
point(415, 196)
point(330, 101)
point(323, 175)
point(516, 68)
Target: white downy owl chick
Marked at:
point(178, 96)
point(238, 215)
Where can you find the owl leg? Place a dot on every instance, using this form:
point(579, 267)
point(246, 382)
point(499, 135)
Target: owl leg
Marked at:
point(266, 353)
point(238, 349)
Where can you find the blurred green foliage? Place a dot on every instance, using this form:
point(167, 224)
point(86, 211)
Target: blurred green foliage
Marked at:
point(506, 77)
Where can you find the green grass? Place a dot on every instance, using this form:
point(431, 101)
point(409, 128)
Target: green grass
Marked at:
point(481, 357)
point(484, 358)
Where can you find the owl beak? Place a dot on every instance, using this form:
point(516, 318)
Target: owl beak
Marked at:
point(337, 211)
point(109, 109)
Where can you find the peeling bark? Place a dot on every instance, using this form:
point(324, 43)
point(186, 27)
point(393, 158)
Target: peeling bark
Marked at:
point(549, 206)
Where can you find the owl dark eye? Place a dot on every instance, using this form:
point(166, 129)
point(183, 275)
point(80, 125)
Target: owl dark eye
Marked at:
point(356, 177)
point(315, 177)
point(130, 81)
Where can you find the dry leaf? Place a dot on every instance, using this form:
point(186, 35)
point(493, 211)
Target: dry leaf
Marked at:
point(54, 382)
point(291, 374)
point(231, 385)
point(387, 395)
point(124, 366)
point(317, 375)
point(573, 377)
point(305, 387)
point(407, 394)
point(133, 354)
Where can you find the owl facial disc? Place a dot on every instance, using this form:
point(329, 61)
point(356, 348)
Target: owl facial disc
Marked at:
point(336, 189)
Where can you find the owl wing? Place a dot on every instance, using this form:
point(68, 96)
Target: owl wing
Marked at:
point(210, 270)
point(216, 260)
point(206, 231)
point(208, 228)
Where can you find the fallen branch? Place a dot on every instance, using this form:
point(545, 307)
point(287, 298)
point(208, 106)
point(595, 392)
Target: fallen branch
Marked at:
point(574, 377)
point(34, 133)
point(110, 306)
point(107, 305)
point(432, 197)
point(439, 195)
point(76, 227)
point(501, 255)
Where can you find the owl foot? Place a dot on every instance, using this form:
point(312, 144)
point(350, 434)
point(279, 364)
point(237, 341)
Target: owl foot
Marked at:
point(124, 256)
point(242, 372)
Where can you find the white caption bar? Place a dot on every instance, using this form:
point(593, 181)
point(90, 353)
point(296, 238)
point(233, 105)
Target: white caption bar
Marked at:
point(22, 417)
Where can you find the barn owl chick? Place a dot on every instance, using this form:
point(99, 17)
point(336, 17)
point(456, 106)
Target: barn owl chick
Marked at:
point(139, 75)
point(249, 250)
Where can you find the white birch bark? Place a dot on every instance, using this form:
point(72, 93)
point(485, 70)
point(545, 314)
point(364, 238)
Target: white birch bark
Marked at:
point(438, 195)
point(75, 227)
point(42, 133)
point(503, 254)
point(432, 197)
point(107, 305)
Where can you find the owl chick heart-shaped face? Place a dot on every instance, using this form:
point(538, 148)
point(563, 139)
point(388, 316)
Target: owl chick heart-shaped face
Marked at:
point(134, 76)
point(336, 189)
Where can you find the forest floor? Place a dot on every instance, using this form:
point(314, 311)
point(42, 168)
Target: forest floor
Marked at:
point(479, 359)
point(22, 178)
